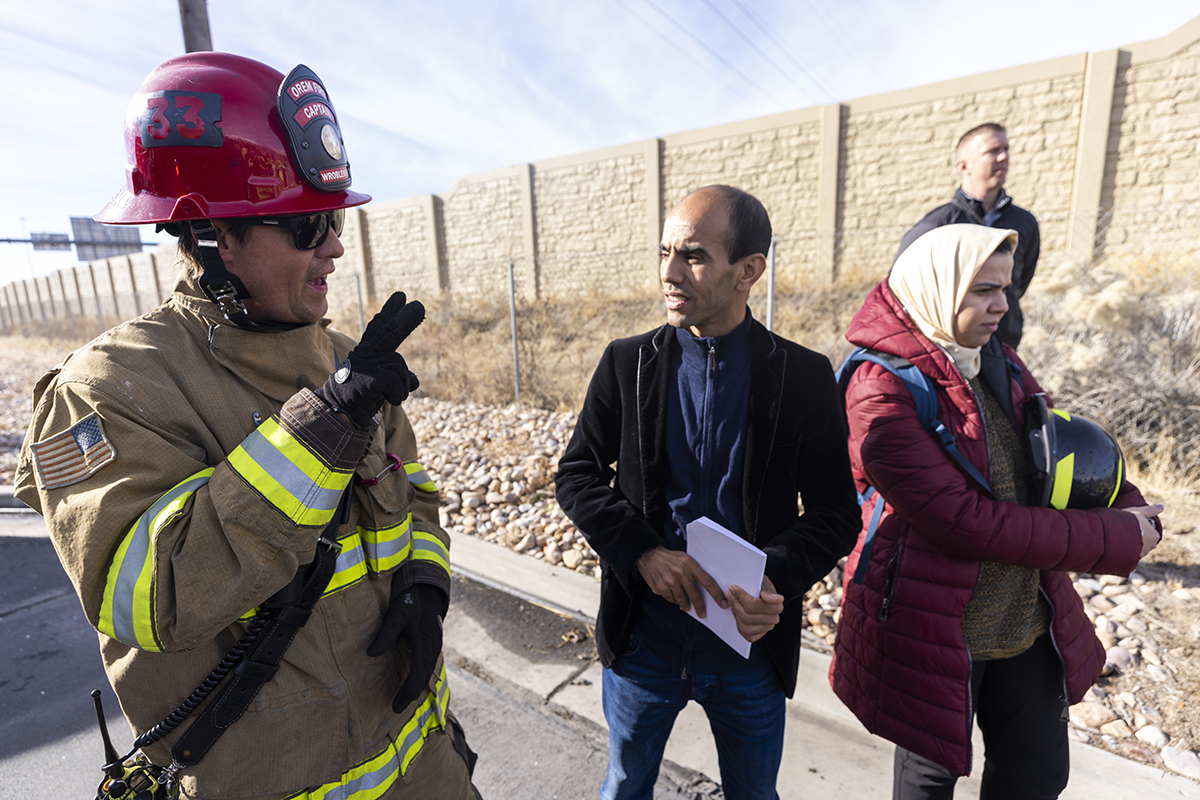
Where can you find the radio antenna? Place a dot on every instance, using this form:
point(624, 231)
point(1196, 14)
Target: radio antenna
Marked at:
point(112, 761)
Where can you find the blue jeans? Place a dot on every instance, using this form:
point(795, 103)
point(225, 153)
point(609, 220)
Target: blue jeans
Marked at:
point(642, 697)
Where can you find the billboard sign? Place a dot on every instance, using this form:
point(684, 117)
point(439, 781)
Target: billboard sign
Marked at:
point(95, 240)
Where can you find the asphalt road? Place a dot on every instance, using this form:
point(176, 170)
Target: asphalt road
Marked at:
point(529, 746)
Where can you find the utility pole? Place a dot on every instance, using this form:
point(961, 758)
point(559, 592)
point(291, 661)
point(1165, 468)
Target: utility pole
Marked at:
point(194, 16)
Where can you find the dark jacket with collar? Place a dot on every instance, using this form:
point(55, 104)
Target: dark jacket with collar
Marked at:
point(965, 209)
point(796, 446)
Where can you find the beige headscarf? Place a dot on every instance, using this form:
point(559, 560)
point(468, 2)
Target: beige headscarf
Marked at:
point(932, 276)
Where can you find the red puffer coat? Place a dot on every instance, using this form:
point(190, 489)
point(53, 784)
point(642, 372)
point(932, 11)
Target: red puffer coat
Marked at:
point(900, 662)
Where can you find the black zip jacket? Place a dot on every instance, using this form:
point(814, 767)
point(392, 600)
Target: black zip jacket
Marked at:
point(796, 448)
point(964, 209)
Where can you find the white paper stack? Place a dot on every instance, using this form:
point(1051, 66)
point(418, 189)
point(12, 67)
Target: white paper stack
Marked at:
point(731, 561)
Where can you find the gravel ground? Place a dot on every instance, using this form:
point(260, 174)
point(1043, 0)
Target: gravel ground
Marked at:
point(495, 467)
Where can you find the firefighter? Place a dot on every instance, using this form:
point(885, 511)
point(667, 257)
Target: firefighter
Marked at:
point(191, 462)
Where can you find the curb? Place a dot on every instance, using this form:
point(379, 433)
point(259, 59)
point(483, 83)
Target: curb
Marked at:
point(557, 588)
point(9, 504)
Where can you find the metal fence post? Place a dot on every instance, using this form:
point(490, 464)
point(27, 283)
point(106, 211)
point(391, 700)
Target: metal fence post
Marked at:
point(512, 307)
point(771, 286)
point(362, 323)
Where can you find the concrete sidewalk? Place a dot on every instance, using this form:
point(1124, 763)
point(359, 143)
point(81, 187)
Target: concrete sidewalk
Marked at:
point(531, 705)
point(827, 752)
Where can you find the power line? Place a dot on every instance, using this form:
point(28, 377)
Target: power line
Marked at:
point(835, 28)
point(758, 23)
point(680, 48)
point(729, 24)
point(712, 52)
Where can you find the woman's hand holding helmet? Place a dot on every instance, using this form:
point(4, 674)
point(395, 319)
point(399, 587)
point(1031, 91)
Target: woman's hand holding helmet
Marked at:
point(1151, 535)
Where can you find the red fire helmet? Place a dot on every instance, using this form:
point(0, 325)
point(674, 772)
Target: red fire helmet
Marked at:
point(214, 135)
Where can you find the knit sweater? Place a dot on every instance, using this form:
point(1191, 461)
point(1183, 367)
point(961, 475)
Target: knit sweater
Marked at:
point(1007, 612)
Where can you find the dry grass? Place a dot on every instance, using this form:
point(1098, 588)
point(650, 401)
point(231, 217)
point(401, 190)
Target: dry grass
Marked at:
point(1112, 345)
point(1118, 348)
point(463, 352)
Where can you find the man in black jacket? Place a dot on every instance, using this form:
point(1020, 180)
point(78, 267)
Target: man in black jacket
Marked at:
point(981, 158)
point(711, 415)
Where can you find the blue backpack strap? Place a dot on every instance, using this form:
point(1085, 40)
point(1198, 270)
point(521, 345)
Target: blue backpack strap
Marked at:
point(925, 400)
point(864, 558)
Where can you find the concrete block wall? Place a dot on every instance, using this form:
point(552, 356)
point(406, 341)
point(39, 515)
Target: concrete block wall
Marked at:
point(898, 161)
point(483, 224)
point(778, 162)
point(1105, 151)
point(591, 225)
point(1152, 183)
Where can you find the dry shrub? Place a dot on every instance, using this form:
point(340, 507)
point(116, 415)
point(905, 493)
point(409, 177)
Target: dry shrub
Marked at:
point(464, 350)
point(818, 316)
point(1108, 343)
point(1117, 344)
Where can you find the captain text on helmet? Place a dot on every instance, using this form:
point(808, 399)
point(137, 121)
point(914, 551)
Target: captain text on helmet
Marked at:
point(226, 473)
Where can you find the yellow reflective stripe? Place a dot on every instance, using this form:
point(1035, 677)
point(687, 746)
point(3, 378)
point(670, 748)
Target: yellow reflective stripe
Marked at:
point(428, 547)
point(418, 477)
point(1120, 480)
point(429, 716)
point(373, 777)
point(389, 547)
point(1064, 477)
point(127, 611)
point(351, 565)
point(1062, 414)
point(288, 475)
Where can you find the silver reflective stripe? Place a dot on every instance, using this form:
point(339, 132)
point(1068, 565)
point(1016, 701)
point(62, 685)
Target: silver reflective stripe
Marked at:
point(437, 548)
point(141, 539)
point(302, 487)
point(380, 550)
point(349, 558)
point(418, 733)
point(420, 477)
point(381, 777)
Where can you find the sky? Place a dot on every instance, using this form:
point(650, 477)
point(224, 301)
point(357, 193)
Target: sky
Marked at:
point(430, 92)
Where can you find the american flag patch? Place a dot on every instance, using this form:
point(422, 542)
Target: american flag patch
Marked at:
point(69, 457)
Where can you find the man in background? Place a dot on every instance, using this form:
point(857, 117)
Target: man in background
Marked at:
point(981, 158)
point(711, 415)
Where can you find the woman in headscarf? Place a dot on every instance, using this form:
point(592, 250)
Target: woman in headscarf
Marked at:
point(964, 609)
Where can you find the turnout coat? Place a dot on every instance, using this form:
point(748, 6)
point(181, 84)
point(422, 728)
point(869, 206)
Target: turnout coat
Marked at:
point(206, 470)
point(900, 661)
point(796, 446)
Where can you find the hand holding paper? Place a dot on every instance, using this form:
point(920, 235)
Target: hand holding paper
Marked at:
point(755, 616)
point(732, 561)
point(676, 576)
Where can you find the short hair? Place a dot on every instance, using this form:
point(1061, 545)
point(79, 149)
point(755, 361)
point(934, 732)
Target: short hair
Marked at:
point(189, 248)
point(990, 127)
point(749, 230)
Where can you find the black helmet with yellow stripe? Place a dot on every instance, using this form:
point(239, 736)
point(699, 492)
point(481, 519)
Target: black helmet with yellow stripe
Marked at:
point(1077, 463)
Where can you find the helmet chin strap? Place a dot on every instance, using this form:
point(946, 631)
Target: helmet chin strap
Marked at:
point(222, 286)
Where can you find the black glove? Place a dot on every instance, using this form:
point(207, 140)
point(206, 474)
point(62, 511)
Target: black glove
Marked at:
point(415, 611)
point(374, 371)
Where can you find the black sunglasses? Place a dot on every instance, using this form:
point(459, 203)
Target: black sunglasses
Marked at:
point(309, 231)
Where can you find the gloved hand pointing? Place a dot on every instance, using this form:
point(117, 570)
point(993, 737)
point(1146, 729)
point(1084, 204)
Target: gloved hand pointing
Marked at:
point(415, 611)
point(374, 371)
